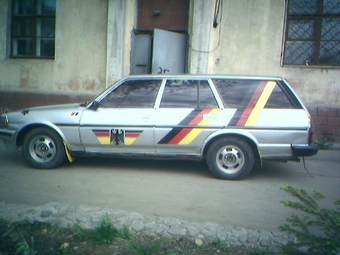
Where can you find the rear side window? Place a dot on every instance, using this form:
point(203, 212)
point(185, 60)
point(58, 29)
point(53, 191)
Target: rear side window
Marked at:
point(239, 93)
point(188, 94)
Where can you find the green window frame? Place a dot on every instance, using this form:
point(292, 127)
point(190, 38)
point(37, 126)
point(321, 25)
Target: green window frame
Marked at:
point(33, 29)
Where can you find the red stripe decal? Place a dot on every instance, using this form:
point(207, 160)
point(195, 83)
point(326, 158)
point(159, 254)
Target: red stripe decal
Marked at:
point(198, 118)
point(245, 115)
point(102, 133)
point(180, 136)
point(132, 134)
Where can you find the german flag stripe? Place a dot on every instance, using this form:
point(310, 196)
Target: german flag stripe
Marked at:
point(101, 133)
point(243, 105)
point(184, 135)
point(252, 104)
point(199, 117)
point(181, 134)
point(132, 133)
point(267, 91)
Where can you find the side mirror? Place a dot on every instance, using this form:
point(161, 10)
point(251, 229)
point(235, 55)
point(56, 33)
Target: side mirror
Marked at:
point(95, 105)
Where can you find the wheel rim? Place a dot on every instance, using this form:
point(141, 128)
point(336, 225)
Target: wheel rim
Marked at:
point(42, 149)
point(230, 159)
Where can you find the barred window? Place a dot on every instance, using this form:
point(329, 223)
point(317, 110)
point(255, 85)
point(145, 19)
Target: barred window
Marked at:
point(33, 28)
point(312, 34)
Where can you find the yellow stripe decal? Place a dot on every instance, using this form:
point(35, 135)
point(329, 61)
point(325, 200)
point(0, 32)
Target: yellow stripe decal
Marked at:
point(260, 103)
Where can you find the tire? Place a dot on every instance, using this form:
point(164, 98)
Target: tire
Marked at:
point(43, 148)
point(230, 158)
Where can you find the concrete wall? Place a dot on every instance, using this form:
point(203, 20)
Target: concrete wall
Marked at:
point(80, 55)
point(249, 41)
point(93, 45)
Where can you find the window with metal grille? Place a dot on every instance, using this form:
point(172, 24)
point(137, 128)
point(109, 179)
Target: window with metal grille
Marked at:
point(312, 34)
point(33, 28)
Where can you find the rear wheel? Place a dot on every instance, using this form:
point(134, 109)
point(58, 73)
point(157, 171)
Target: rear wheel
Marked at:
point(230, 158)
point(43, 148)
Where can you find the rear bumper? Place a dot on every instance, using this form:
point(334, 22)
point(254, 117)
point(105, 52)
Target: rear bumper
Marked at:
point(304, 150)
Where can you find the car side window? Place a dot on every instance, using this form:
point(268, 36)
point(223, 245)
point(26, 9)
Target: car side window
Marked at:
point(133, 94)
point(237, 93)
point(188, 94)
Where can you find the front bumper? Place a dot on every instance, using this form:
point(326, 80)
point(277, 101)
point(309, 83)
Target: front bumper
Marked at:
point(7, 136)
point(304, 150)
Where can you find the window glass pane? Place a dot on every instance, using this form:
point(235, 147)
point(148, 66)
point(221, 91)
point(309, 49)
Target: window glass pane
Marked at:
point(24, 7)
point(278, 100)
point(330, 53)
point(299, 53)
point(188, 94)
point(24, 47)
point(303, 7)
point(233, 92)
point(330, 29)
point(301, 29)
point(47, 27)
point(47, 7)
point(23, 27)
point(133, 94)
point(331, 6)
point(47, 48)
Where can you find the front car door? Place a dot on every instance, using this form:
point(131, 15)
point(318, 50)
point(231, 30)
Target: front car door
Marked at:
point(121, 122)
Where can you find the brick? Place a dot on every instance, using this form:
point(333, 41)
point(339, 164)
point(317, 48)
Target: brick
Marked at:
point(337, 131)
point(333, 121)
point(327, 111)
point(325, 130)
point(313, 111)
point(319, 120)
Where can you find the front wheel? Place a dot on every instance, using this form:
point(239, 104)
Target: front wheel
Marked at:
point(230, 158)
point(43, 148)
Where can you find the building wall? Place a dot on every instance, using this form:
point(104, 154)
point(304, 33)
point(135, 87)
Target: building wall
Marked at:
point(249, 41)
point(93, 45)
point(80, 58)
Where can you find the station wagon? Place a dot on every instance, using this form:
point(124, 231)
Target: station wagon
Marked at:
point(229, 122)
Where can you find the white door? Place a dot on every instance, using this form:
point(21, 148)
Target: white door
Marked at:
point(168, 52)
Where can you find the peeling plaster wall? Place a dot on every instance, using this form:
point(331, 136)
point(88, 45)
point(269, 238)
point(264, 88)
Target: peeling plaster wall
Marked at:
point(80, 59)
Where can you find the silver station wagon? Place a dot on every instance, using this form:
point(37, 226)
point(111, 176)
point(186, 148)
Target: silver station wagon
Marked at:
point(231, 122)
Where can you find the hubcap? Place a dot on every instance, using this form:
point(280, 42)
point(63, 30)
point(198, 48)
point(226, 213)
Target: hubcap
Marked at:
point(42, 149)
point(230, 159)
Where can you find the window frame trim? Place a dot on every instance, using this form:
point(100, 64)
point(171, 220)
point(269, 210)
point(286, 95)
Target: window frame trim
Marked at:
point(317, 39)
point(36, 18)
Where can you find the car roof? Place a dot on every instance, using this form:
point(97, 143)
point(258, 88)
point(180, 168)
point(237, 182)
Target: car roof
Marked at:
point(200, 76)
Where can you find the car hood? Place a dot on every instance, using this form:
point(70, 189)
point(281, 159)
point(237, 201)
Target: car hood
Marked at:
point(60, 107)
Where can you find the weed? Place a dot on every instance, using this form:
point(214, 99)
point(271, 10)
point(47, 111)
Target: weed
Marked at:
point(317, 230)
point(64, 248)
point(221, 244)
point(322, 143)
point(23, 248)
point(139, 248)
point(105, 232)
point(80, 233)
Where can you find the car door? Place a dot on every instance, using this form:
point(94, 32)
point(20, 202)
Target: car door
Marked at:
point(188, 113)
point(121, 122)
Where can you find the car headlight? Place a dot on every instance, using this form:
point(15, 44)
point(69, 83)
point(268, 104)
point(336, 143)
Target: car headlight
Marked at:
point(3, 121)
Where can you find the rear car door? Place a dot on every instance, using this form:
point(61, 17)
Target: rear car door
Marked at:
point(188, 113)
point(121, 122)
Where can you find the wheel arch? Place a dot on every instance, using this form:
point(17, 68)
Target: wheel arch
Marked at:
point(246, 137)
point(25, 130)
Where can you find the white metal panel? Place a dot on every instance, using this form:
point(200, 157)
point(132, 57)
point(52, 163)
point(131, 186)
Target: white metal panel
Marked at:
point(168, 52)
